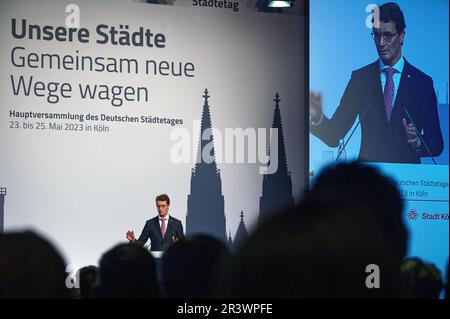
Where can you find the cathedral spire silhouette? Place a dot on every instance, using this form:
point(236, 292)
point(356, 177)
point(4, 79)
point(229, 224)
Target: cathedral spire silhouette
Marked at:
point(205, 204)
point(2, 209)
point(230, 241)
point(241, 233)
point(277, 187)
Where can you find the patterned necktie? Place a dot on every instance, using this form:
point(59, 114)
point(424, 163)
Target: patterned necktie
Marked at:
point(163, 227)
point(389, 91)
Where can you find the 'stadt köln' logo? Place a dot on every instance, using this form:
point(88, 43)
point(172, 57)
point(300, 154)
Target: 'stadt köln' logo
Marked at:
point(412, 214)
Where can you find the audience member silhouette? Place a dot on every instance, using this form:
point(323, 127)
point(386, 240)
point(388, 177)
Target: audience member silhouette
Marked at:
point(31, 268)
point(88, 282)
point(190, 266)
point(128, 271)
point(363, 184)
point(316, 250)
point(424, 280)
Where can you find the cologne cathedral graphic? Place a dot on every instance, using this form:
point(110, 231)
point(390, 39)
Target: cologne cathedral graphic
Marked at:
point(205, 204)
point(277, 187)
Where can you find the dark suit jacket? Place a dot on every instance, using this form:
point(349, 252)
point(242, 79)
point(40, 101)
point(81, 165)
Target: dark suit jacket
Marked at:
point(382, 141)
point(152, 231)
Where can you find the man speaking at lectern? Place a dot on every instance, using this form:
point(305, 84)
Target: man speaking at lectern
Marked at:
point(396, 102)
point(162, 230)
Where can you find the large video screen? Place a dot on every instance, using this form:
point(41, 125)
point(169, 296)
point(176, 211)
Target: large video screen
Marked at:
point(379, 94)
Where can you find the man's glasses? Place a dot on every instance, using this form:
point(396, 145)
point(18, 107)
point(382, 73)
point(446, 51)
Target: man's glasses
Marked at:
point(387, 36)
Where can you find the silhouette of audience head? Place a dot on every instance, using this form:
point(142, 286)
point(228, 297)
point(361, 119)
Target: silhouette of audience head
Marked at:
point(30, 268)
point(190, 266)
point(424, 280)
point(128, 271)
point(364, 185)
point(315, 250)
point(88, 282)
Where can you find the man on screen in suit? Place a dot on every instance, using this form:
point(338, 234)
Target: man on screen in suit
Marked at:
point(388, 96)
point(162, 230)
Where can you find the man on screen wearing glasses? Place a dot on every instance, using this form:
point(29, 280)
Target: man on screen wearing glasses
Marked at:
point(396, 102)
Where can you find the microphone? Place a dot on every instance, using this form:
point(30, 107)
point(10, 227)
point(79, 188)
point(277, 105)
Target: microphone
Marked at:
point(420, 136)
point(342, 149)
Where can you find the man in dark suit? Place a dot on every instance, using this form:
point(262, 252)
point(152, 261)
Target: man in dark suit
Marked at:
point(388, 96)
point(162, 230)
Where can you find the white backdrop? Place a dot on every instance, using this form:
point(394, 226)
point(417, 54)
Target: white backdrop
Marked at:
point(85, 189)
